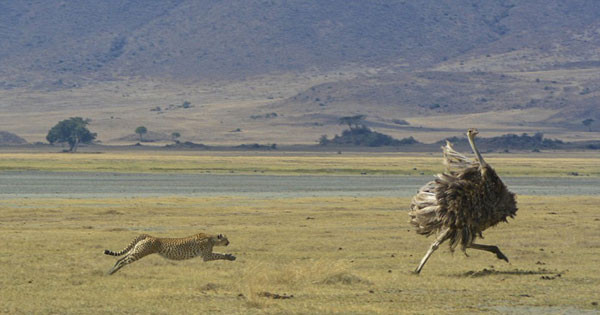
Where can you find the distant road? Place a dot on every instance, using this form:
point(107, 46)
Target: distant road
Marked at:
point(100, 185)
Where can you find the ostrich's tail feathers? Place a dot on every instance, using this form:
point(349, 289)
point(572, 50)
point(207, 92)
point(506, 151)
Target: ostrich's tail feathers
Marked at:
point(455, 161)
point(424, 210)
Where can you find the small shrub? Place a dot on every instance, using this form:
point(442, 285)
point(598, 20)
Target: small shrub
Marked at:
point(400, 122)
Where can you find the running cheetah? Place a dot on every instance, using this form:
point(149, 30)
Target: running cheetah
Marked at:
point(171, 248)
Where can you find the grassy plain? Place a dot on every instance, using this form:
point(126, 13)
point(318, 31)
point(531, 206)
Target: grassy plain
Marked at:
point(294, 163)
point(333, 254)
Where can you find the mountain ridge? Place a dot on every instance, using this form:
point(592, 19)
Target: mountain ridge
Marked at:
point(436, 64)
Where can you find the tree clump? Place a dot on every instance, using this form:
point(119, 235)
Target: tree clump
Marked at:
point(364, 136)
point(72, 131)
point(174, 136)
point(360, 135)
point(588, 123)
point(141, 130)
point(512, 142)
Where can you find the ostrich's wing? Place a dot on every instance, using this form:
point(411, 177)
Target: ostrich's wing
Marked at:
point(424, 210)
point(454, 161)
point(442, 202)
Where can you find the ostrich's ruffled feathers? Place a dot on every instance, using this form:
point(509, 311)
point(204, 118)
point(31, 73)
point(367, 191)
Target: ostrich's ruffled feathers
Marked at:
point(467, 199)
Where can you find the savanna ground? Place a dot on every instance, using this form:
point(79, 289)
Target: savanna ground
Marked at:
point(330, 254)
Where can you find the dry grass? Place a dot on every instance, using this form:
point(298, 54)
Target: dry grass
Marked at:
point(293, 163)
point(116, 108)
point(334, 255)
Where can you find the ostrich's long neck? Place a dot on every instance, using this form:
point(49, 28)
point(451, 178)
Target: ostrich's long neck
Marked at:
point(474, 148)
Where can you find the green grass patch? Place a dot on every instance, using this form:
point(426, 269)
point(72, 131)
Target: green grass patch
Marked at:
point(369, 164)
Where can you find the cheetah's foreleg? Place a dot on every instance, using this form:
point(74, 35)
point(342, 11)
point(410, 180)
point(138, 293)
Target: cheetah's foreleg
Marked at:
point(217, 256)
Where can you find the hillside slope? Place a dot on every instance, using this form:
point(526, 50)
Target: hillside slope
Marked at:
point(505, 65)
point(228, 39)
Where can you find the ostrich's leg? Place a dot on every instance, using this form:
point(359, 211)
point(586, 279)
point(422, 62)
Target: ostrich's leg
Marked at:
point(490, 248)
point(441, 238)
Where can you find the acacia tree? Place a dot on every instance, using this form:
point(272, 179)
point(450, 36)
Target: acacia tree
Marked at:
point(72, 131)
point(141, 130)
point(175, 135)
point(588, 122)
point(356, 120)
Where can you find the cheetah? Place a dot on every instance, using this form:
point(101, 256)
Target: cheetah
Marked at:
point(171, 248)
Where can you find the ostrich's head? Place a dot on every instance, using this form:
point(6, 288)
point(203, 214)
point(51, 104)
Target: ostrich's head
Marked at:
point(472, 132)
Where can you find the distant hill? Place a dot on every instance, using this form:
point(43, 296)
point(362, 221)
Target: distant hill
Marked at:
point(507, 65)
point(67, 42)
point(8, 138)
point(429, 93)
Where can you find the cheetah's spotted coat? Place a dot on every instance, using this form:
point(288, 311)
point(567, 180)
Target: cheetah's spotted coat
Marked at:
point(171, 248)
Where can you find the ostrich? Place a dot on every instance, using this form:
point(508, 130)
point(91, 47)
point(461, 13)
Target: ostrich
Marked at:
point(462, 202)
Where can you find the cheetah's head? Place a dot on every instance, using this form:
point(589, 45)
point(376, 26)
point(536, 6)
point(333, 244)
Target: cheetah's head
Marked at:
point(220, 240)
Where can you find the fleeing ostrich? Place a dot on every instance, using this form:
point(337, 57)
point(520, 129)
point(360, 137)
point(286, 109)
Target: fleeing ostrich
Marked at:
point(462, 202)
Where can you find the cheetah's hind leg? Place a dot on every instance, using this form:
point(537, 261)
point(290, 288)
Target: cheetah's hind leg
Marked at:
point(119, 264)
point(140, 250)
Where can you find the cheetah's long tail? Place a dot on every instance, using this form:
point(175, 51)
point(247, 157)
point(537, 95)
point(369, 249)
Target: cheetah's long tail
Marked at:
point(129, 247)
